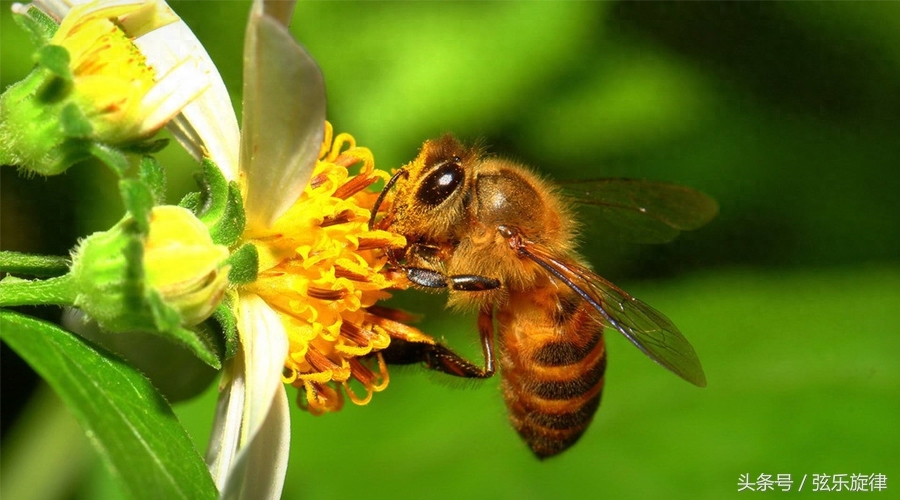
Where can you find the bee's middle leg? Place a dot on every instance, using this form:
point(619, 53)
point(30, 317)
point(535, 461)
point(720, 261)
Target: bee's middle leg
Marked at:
point(460, 282)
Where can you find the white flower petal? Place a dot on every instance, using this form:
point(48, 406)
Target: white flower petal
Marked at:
point(265, 347)
point(151, 14)
point(262, 464)
point(207, 126)
point(226, 432)
point(281, 10)
point(173, 92)
point(154, 15)
point(284, 117)
point(251, 386)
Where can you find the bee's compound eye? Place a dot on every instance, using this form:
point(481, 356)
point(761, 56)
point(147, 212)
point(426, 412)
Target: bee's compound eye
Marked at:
point(440, 184)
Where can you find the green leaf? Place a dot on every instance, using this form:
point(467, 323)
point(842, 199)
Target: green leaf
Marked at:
point(213, 341)
point(200, 342)
point(131, 425)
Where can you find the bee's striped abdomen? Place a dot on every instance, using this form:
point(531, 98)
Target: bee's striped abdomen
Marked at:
point(553, 366)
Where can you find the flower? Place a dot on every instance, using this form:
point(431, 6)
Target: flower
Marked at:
point(112, 83)
point(319, 270)
point(113, 72)
point(308, 317)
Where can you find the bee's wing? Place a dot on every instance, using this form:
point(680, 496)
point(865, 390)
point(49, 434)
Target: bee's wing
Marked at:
point(642, 211)
point(645, 327)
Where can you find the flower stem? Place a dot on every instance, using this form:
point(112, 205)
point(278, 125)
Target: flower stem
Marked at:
point(17, 292)
point(34, 265)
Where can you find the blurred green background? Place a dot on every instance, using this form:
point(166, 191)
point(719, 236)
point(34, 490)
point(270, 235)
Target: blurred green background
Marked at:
point(787, 113)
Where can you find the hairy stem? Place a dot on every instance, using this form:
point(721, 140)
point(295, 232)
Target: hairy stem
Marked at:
point(34, 265)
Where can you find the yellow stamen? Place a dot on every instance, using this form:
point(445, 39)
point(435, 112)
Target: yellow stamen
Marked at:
point(111, 76)
point(321, 268)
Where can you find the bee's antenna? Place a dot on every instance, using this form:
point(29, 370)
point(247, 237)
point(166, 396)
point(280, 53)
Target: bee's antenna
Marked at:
point(384, 192)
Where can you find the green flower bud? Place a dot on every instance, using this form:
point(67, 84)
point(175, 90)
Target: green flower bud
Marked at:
point(173, 277)
point(183, 264)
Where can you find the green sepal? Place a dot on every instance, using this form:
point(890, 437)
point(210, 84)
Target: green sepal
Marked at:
point(153, 175)
point(108, 271)
point(199, 341)
point(209, 333)
point(191, 201)
point(138, 197)
point(230, 227)
point(213, 192)
point(224, 316)
point(133, 282)
point(31, 131)
point(39, 26)
point(73, 122)
point(55, 59)
point(109, 156)
point(221, 207)
point(244, 264)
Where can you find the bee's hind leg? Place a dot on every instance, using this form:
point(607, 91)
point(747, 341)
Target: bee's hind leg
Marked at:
point(440, 358)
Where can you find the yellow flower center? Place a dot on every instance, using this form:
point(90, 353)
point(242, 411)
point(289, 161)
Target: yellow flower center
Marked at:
point(111, 76)
point(321, 268)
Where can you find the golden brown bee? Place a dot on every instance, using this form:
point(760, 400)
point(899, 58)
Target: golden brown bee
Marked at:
point(502, 240)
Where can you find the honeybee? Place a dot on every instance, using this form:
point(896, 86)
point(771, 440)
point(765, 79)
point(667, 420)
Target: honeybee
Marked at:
point(501, 240)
